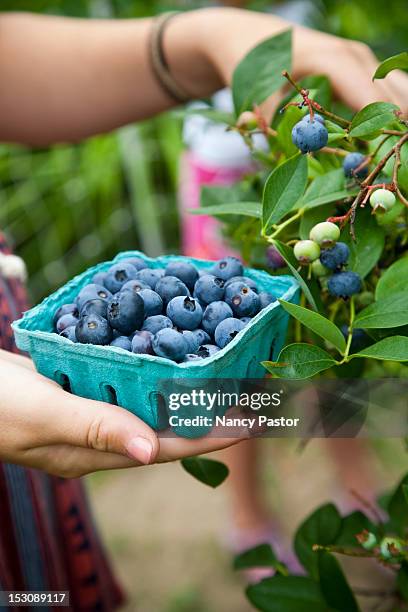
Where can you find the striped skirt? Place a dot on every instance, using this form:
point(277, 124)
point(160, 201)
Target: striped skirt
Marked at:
point(47, 537)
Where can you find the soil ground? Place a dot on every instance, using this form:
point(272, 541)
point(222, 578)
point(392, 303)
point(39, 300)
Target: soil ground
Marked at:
point(164, 530)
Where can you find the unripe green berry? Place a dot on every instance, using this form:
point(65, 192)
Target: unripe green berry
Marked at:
point(368, 540)
point(390, 547)
point(319, 270)
point(325, 234)
point(306, 251)
point(382, 199)
point(247, 121)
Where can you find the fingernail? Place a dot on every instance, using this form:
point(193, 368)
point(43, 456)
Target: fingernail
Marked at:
point(140, 449)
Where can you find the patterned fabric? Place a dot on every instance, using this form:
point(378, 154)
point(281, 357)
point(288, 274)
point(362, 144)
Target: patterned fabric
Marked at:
point(47, 537)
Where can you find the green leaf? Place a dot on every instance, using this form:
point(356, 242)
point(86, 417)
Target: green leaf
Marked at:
point(208, 471)
point(394, 348)
point(218, 194)
point(402, 581)
point(397, 507)
point(248, 209)
point(286, 594)
point(366, 250)
point(283, 188)
point(259, 74)
point(396, 62)
point(334, 585)
point(405, 492)
point(329, 187)
point(390, 311)
point(287, 254)
point(317, 323)
point(351, 525)
point(322, 527)
point(393, 280)
point(259, 556)
point(299, 361)
point(372, 118)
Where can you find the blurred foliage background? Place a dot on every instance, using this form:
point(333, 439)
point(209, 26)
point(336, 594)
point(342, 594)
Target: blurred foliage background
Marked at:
point(68, 207)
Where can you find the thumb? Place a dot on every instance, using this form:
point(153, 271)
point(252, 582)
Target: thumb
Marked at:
point(104, 427)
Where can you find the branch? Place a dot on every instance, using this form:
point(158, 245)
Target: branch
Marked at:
point(313, 105)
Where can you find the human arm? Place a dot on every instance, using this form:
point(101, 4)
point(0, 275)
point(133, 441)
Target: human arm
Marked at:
point(65, 79)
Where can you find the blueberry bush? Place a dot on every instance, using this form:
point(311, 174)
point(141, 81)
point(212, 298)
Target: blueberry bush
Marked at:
point(328, 203)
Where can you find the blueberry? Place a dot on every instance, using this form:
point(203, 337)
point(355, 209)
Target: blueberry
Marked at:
point(243, 301)
point(99, 278)
point(344, 284)
point(227, 330)
point(66, 321)
point(136, 262)
point(185, 312)
point(309, 135)
point(153, 304)
point(242, 279)
point(336, 257)
point(192, 340)
point(306, 251)
point(92, 292)
point(170, 287)
point(142, 343)
point(135, 285)
point(118, 275)
point(391, 547)
point(93, 329)
point(214, 314)
point(318, 269)
point(227, 268)
point(353, 161)
point(201, 336)
point(156, 323)
point(316, 117)
point(191, 357)
point(122, 342)
point(150, 276)
point(274, 259)
point(207, 350)
point(170, 343)
point(245, 320)
point(183, 270)
point(209, 288)
point(66, 309)
point(266, 298)
point(126, 312)
point(325, 234)
point(99, 307)
point(69, 333)
point(382, 200)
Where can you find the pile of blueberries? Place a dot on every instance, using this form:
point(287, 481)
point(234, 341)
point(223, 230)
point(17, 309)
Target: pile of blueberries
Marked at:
point(177, 312)
point(328, 258)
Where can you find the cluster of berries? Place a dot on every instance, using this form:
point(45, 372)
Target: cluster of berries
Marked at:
point(177, 312)
point(390, 548)
point(327, 255)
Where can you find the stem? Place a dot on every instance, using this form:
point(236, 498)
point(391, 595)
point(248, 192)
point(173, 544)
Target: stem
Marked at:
point(350, 552)
point(298, 325)
point(288, 221)
point(397, 164)
point(334, 151)
point(366, 592)
point(350, 328)
point(313, 105)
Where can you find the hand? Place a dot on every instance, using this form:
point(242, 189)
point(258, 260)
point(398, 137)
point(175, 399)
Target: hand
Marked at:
point(44, 427)
point(228, 34)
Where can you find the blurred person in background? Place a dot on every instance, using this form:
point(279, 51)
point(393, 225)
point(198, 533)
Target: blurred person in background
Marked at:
point(63, 80)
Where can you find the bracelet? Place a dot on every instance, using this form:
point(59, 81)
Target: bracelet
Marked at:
point(158, 60)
